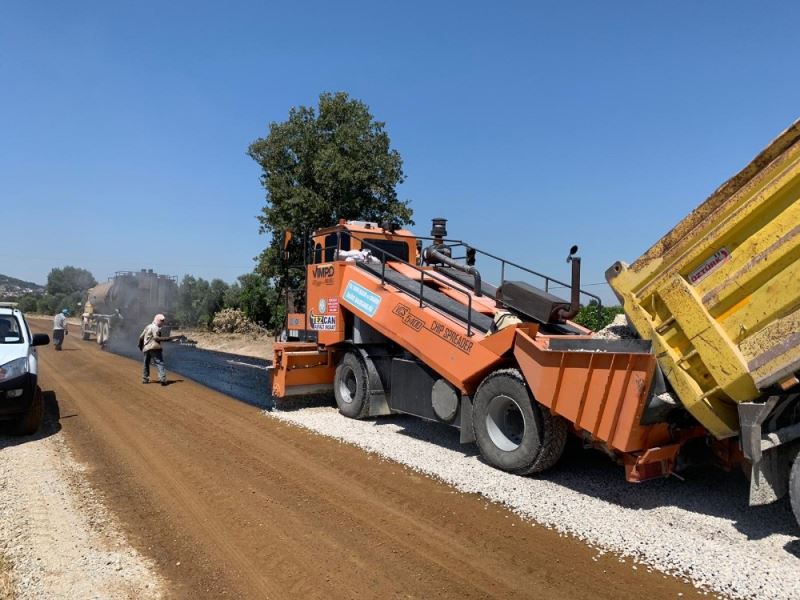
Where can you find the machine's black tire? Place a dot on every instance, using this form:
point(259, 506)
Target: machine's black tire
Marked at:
point(794, 487)
point(29, 423)
point(513, 431)
point(351, 386)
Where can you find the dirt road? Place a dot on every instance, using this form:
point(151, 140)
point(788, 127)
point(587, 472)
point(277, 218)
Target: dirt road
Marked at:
point(231, 503)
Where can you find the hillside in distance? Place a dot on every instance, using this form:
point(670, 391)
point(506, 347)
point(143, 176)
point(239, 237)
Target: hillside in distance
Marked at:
point(11, 287)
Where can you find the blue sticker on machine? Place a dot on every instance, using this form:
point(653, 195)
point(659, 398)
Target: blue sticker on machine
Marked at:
point(361, 298)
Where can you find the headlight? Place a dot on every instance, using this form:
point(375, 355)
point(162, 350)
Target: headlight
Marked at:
point(15, 368)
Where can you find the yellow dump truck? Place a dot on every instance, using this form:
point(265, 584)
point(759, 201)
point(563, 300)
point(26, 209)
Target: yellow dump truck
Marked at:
point(719, 298)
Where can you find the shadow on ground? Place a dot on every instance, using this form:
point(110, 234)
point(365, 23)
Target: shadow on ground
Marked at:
point(51, 424)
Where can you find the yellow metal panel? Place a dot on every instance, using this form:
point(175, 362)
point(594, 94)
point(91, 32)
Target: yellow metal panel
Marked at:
point(770, 362)
point(718, 417)
point(719, 294)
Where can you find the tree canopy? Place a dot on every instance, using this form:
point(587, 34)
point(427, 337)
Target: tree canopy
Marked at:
point(325, 164)
point(69, 280)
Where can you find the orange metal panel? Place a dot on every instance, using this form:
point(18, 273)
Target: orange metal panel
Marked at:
point(433, 337)
point(300, 367)
point(324, 315)
point(603, 393)
point(650, 464)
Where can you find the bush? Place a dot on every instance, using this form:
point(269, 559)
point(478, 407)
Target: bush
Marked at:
point(596, 317)
point(233, 320)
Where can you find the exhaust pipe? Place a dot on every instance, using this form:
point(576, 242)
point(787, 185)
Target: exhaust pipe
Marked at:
point(564, 314)
point(435, 254)
point(432, 255)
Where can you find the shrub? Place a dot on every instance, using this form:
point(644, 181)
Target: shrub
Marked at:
point(233, 320)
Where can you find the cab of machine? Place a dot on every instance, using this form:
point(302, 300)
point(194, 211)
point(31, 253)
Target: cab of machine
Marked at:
point(379, 240)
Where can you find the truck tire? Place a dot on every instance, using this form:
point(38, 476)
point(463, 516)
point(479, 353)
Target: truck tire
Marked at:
point(794, 488)
point(351, 388)
point(514, 432)
point(29, 423)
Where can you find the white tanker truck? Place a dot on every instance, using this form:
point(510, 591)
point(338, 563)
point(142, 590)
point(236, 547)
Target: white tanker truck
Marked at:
point(128, 300)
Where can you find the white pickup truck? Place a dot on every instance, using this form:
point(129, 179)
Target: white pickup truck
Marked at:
point(21, 403)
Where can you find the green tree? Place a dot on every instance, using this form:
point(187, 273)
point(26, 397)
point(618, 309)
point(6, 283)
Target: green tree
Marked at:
point(324, 164)
point(28, 303)
point(257, 299)
point(595, 317)
point(69, 280)
point(198, 300)
point(192, 293)
point(215, 298)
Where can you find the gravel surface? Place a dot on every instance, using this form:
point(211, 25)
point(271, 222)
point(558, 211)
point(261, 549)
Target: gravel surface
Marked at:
point(700, 528)
point(618, 329)
point(59, 540)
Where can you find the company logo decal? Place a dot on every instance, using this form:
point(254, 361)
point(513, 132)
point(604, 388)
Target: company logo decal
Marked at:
point(322, 305)
point(417, 323)
point(323, 271)
point(323, 322)
point(716, 259)
point(451, 336)
point(409, 319)
point(361, 298)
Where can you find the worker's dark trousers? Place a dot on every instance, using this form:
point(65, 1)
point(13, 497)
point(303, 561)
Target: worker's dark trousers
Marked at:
point(58, 338)
point(157, 356)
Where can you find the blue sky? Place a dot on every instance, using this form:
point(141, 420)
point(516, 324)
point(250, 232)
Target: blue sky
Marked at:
point(530, 125)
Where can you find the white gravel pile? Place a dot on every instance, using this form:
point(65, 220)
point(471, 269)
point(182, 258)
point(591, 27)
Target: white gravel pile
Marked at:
point(618, 329)
point(700, 528)
point(58, 538)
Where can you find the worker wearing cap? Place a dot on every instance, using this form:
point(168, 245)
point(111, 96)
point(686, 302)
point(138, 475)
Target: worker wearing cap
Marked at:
point(150, 344)
point(60, 328)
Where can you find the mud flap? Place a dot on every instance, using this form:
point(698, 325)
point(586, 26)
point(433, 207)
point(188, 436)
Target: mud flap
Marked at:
point(378, 405)
point(467, 433)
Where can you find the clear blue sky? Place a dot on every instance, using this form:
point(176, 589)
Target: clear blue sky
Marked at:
point(530, 125)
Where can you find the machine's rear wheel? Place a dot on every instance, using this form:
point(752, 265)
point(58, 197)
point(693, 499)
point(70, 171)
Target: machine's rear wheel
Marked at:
point(794, 488)
point(351, 388)
point(513, 431)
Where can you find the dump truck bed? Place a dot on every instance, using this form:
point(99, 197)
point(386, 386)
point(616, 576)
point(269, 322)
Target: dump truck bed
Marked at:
point(719, 295)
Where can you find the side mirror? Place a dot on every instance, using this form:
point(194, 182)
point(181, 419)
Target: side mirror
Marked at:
point(40, 339)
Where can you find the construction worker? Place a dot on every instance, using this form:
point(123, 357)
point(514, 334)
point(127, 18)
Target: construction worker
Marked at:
point(60, 328)
point(150, 343)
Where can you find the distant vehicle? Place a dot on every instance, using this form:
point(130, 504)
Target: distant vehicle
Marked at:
point(129, 299)
point(21, 403)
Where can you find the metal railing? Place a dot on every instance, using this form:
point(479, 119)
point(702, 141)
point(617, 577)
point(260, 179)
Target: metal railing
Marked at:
point(386, 255)
point(503, 262)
